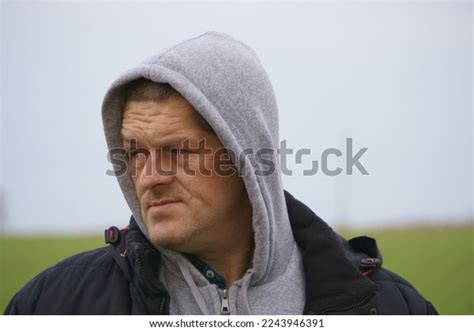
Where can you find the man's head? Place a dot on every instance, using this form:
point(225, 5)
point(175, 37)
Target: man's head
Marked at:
point(222, 79)
point(174, 155)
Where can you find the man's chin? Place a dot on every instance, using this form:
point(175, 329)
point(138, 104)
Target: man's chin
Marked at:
point(170, 235)
point(168, 242)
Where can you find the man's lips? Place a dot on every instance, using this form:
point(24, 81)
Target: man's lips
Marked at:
point(162, 204)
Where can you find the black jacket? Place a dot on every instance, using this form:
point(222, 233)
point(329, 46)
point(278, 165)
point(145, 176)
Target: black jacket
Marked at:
point(342, 277)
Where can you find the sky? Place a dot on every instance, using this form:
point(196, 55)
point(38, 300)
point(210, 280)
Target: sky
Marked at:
point(396, 78)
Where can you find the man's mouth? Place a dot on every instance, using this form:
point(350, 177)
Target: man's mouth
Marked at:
point(162, 204)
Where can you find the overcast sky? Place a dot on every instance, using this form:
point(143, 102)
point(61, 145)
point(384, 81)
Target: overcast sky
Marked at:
point(396, 78)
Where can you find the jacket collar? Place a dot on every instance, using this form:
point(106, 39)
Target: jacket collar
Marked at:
point(333, 283)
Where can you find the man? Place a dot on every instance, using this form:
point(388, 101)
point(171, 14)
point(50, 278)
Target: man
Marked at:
point(193, 134)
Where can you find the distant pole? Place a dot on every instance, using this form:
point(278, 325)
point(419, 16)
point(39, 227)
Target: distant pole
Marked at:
point(342, 194)
point(2, 212)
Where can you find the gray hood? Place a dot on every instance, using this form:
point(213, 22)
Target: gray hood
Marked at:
point(225, 82)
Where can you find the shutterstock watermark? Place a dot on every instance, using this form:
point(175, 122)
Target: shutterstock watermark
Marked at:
point(199, 159)
point(351, 160)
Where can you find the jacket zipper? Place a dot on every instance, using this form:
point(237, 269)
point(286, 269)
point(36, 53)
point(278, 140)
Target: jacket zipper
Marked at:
point(225, 303)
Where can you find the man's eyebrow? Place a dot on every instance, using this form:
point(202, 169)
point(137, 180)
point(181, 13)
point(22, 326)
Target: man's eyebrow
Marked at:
point(175, 140)
point(128, 142)
point(128, 138)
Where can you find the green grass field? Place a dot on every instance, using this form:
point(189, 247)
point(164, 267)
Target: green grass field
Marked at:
point(439, 262)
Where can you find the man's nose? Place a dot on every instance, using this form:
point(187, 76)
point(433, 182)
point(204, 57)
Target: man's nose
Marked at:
point(159, 170)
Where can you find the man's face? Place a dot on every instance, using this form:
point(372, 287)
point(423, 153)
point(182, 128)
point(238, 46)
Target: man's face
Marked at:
point(190, 213)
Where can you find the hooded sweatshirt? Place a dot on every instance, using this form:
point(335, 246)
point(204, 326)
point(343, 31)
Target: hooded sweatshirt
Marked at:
point(223, 79)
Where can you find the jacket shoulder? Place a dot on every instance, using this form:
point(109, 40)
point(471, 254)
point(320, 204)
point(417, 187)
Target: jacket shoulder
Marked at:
point(73, 286)
point(395, 295)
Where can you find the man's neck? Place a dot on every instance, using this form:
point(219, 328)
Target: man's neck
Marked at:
point(230, 250)
point(231, 265)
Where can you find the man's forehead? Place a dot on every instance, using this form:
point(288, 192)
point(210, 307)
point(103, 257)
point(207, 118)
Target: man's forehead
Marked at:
point(173, 104)
point(168, 120)
point(164, 133)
